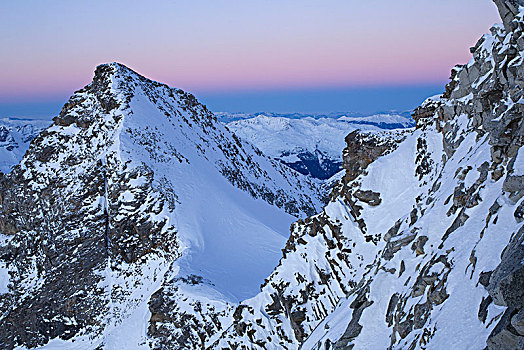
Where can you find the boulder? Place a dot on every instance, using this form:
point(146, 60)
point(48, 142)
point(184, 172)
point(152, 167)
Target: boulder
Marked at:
point(369, 197)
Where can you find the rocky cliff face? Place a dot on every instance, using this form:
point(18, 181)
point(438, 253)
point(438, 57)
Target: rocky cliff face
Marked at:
point(134, 199)
point(423, 249)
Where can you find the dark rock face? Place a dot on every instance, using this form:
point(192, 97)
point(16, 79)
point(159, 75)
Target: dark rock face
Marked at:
point(369, 197)
point(505, 281)
point(354, 328)
point(179, 321)
point(363, 149)
point(506, 288)
point(505, 336)
point(508, 10)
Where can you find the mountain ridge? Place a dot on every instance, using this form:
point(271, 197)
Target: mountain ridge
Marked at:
point(419, 248)
point(136, 189)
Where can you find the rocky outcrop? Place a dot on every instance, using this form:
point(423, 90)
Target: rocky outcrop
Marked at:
point(505, 287)
point(509, 10)
point(363, 148)
point(369, 197)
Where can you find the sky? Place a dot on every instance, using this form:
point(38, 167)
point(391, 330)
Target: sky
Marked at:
point(241, 56)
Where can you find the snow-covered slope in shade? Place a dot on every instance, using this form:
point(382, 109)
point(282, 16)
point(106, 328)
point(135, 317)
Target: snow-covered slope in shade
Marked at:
point(137, 214)
point(15, 136)
point(424, 249)
point(312, 146)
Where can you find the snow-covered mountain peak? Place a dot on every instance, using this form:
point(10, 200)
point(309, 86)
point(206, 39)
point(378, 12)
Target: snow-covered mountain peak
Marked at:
point(114, 86)
point(137, 221)
point(134, 199)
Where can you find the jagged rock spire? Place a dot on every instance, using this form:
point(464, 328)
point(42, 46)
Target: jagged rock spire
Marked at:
point(508, 9)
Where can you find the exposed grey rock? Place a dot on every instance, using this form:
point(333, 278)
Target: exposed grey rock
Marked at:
point(404, 328)
point(484, 278)
point(418, 245)
point(369, 197)
point(363, 149)
point(393, 231)
point(483, 308)
point(353, 330)
point(413, 217)
point(506, 288)
point(394, 246)
point(421, 314)
point(508, 10)
point(459, 221)
point(517, 321)
point(505, 284)
point(519, 212)
point(513, 184)
point(504, 336)
point(391, 308)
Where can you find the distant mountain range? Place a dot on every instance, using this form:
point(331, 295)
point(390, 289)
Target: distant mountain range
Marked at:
point(384, 120)
point(310, 144)
point(15, 136)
